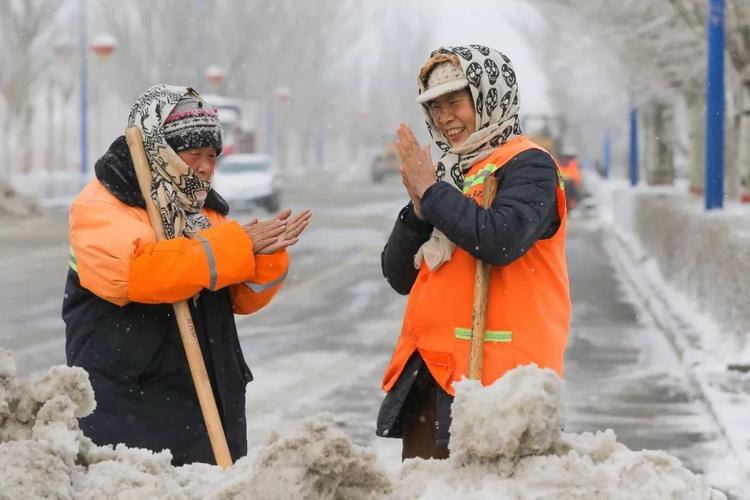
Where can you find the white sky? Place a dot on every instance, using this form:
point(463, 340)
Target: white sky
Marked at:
point(498, 24)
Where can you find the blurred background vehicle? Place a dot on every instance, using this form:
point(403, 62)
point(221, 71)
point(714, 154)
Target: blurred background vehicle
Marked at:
point(245, 180)
point(237, 138)
point(546, 130)
point(386, 162)
point(549, 132)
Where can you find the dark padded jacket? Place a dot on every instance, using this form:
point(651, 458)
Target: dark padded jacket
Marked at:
point(523, 212)
point(136, 361)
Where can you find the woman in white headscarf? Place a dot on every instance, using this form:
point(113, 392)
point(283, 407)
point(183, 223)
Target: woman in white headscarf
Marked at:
point(470, 100)
point(120, 326)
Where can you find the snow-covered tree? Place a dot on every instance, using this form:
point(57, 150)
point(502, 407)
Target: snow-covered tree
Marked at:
point(661, 47)
point(26, 29)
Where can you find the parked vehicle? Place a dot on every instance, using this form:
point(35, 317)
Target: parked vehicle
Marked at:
point(237, 139)
point(549, 131)
point(244, 180)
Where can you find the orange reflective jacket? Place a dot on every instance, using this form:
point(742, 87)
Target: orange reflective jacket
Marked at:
point(528, 307)
point(571, 171)
point(116, 255)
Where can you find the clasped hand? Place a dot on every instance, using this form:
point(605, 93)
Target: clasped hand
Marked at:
point(417, 172)
point(273, 235)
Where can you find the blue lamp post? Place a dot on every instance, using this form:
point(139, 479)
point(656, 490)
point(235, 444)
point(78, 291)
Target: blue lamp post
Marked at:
point(607, 154)
point(715, 107)
point(633, 170)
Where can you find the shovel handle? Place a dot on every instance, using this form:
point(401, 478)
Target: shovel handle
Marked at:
point(182, 313)
point(481, 286)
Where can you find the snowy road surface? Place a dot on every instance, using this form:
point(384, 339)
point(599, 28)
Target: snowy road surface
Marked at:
point(324, 341)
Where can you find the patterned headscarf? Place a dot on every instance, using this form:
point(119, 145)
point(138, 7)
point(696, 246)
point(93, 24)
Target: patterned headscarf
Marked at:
point(178, 193)
point(494, 91)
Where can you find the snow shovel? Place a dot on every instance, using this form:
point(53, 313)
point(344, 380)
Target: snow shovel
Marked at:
point(182, 313)
point(481, 283)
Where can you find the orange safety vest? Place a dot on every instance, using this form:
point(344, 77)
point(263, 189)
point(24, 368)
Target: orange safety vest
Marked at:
point(528, 305)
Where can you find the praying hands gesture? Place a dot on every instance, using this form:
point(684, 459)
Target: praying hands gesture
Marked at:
point(276, 234)
point(417, 172)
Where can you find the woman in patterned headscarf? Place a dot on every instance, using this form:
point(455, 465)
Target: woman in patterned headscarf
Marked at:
point(470, 100)
point(119, 324)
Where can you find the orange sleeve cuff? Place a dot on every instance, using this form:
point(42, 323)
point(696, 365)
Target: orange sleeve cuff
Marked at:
point(256, 292)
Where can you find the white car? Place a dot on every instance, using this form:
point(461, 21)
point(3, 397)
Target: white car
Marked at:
point(246, 179)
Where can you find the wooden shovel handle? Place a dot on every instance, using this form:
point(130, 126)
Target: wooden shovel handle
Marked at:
point(481, 285)
point(182, 313)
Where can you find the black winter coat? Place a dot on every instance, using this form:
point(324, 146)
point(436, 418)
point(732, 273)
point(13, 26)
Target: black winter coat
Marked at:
point(136, 362)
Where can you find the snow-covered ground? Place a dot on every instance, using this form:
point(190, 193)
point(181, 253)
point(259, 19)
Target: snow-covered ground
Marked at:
point(706, 265)
point(327, 292)
point(506, 442)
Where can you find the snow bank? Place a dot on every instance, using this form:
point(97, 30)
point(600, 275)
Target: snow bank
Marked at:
point(689, 270)
point(507, 442)
point(43, 454)
point(704, 255)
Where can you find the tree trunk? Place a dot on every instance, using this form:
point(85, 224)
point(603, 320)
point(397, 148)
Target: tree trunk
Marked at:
point(62, 149)
point(646, 140)
point(661, 166)
point(7, 153)
point(50, 156)
point(27, 157)
point(697, 132)
point(743, 154)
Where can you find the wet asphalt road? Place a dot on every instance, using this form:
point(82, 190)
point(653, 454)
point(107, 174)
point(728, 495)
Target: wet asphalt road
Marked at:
point(323, 343)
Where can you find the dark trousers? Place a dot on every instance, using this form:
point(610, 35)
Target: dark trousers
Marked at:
point(420, 419)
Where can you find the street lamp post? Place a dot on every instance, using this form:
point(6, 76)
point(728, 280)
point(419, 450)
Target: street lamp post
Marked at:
point(633, 170)
point(215, 75)
point(607, 154)
point(283, 96)
point(84, 91)
point(361, 131)
point(64, 82)
point(102, 46)
point(715, 108)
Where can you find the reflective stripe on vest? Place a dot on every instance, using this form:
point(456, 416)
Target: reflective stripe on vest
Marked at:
point(489, 335)
point(72, 260)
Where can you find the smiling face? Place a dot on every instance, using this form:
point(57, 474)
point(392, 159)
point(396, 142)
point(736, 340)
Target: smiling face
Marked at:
point(454, 115)
point(201, 160)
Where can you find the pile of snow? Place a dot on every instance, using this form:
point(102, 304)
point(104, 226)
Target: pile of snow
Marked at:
point(15, 204)
point(43, 454)
point(506, 442)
